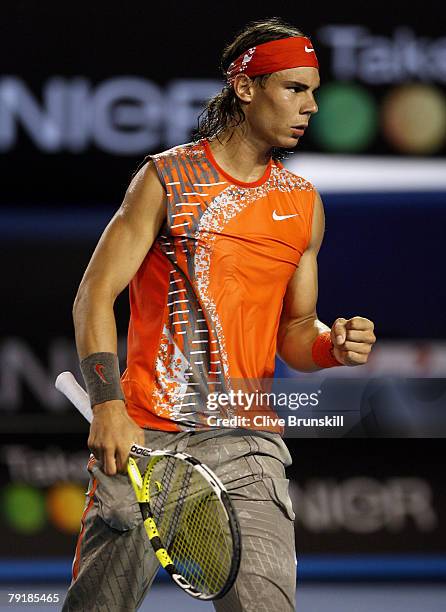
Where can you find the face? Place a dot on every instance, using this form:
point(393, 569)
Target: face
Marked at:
point(278, 113)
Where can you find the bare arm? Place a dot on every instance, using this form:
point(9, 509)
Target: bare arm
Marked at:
point(116, 259)
point(299, 326)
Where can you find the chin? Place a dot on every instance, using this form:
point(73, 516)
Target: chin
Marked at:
point(283, 145)
point(288, 143)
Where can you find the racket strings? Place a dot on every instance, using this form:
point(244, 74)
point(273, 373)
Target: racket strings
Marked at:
point(160, 484)
point(193, 524)
point(178, 508)
point(206, 544)
point(200, 548)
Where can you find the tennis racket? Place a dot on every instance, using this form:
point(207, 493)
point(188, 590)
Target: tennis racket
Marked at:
point(187, 513)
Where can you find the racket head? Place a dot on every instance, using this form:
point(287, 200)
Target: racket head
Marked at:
point(191, 523)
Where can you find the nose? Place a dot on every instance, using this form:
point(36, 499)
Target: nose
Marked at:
point(310, 105)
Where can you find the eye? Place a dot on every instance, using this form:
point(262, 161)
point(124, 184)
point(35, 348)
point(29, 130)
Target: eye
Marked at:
point(296, 89)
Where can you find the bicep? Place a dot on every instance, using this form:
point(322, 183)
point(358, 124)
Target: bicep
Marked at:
point(301, 295)
point(129, 235)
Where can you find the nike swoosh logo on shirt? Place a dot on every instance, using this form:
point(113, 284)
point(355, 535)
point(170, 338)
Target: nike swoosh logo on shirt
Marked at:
point(277, 217)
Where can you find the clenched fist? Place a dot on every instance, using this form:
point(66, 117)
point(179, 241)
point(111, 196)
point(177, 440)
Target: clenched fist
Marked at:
point(352, 340)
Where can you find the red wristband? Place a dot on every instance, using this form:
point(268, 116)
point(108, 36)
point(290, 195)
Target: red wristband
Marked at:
point(322, 352)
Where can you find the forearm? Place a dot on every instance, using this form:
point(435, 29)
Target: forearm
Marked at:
point(112, 431)
point(295, 342)
point(94, 321)
point(96, 342)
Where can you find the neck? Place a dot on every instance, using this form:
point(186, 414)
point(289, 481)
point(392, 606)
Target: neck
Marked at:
point(241, 154)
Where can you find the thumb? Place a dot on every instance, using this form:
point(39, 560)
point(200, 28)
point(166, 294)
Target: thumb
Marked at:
point(338, 331)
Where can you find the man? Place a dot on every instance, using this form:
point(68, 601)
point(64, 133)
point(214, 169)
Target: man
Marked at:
point(219, 244)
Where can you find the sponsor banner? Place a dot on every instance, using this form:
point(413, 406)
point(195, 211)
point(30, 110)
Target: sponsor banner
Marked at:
point(349, 497)
point(42, 487)
point(333, 404)
point(27, 375)
point(369, 496)
point(91, 115)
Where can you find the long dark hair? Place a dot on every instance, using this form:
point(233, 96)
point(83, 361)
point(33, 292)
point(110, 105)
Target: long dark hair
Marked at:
point(224, 110)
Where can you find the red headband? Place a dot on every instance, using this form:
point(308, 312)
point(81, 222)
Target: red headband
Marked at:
point(273, 56)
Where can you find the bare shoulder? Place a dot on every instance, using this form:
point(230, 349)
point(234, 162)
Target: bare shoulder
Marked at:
point(145, 198)
point(145, 182)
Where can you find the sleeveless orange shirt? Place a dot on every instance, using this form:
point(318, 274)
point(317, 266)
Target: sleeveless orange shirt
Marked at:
point(206, 301)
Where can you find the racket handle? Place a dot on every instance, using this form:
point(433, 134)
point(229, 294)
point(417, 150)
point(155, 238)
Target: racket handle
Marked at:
point(68, 385)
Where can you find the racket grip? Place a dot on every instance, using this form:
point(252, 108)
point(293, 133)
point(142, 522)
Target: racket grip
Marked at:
point(68, 385)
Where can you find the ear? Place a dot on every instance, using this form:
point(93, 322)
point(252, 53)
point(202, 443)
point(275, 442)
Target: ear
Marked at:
point(243, 87)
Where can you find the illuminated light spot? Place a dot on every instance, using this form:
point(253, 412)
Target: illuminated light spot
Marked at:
point(414, 118)
point(347, 119)
point(65, 505)
point(24, 508)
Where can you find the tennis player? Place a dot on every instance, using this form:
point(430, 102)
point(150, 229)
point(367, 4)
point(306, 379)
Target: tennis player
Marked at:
point(219, 243)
